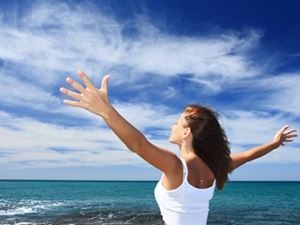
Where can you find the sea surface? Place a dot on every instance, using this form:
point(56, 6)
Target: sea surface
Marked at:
point(132, 202)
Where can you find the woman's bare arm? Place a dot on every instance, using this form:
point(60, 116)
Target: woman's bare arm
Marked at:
point(97, 101)
point(283, 135)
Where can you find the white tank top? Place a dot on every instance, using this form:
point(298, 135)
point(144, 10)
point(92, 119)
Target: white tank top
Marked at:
point(186, 204)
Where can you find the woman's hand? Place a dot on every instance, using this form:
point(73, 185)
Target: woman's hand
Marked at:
point(89, 98)
point(284, 135)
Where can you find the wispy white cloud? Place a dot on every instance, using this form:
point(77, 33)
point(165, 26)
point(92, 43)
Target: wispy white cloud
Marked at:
point(38, 144)
point(248, 129)
point(15, 92)
point(252, 127)
point(76, 37)
point(32, 143)
point(147, 115)
point(282, 155)
point(285, 92)
point(269, 92)
point(202, 57)
point(46, 46)
point(23, 93)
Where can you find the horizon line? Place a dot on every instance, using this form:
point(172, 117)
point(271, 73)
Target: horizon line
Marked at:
point(123, 180)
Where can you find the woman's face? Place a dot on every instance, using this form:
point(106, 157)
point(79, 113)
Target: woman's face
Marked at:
point(178, 130)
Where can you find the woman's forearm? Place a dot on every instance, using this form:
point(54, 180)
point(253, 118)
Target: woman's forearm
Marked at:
point(127, 133)
point(259, 151)
point(282, 136)
point(240, 158)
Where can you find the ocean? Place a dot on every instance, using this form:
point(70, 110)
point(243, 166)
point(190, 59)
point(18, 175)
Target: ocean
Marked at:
point(132, 202)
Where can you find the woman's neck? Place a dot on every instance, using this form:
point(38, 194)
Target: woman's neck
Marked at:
point(186, 150)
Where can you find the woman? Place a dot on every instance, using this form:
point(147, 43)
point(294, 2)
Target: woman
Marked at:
point(188, 181)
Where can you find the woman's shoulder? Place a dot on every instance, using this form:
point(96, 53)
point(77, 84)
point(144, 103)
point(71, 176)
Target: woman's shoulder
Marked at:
point(173, 180)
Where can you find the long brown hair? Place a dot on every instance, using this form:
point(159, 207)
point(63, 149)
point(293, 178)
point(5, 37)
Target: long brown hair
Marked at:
point(209, 141)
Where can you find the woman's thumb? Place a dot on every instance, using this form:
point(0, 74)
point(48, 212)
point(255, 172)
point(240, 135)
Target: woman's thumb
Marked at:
point(104, 83)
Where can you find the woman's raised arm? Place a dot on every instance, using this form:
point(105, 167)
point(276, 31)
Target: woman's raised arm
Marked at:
point(97, 101)
point(283, 135)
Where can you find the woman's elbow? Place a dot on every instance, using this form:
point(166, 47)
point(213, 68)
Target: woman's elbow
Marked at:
point(139, 144)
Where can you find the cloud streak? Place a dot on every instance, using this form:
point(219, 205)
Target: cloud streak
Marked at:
point(33, 144)
point(53, 43)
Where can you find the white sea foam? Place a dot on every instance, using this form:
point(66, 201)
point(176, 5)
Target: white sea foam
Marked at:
point(16, 211)
point(25, 223)
point(27, 207)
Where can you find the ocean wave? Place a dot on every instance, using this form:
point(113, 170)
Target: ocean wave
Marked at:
point(27, 207)
point(25, 223)
point(75, 212)
point(92, 218)
point(17, 211)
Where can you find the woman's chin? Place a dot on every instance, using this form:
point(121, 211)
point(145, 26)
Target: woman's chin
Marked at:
point(172, 141)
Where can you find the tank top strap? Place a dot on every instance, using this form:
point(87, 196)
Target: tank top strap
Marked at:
point(185, 169)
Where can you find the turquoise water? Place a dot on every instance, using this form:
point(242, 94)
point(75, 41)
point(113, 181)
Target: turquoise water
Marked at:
point(259, 203)
point(130, 202)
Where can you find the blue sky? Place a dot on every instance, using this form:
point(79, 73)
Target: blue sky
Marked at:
point(242, 59)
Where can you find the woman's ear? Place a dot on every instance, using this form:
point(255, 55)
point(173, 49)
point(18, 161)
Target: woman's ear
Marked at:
point(187, 132)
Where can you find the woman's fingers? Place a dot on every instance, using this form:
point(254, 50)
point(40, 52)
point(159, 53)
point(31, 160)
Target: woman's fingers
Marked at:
point(89, 97)
point(290, 131)
point(291, 135)
point(86, 80)
point(73, 103)
point(71, 93)
point(284, 128)
point(285, 135)
point(75, 85)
